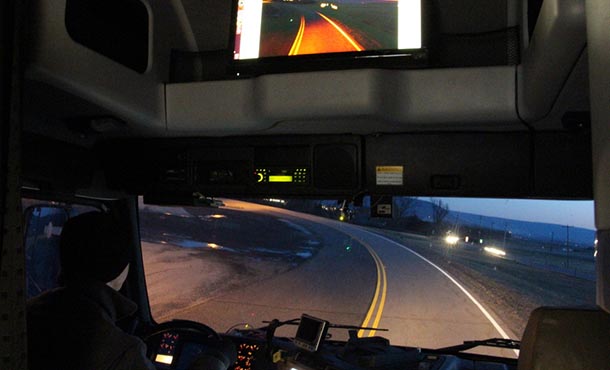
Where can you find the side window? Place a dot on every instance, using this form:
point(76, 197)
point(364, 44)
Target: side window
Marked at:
point(42, 228)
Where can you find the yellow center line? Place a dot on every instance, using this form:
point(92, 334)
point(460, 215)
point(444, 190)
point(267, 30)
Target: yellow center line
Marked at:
point(377, 302)
point(296, 45)
point(371, 310)
point(354, 43)
point(380, 288)
point(383, 297)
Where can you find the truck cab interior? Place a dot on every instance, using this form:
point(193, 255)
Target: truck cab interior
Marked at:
point(169, 112)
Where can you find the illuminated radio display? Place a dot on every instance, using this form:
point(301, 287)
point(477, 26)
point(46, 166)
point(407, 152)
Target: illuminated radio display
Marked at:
point(293, 175)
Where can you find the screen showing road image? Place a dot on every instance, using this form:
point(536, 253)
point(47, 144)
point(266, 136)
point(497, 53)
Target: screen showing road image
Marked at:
point(272, 28)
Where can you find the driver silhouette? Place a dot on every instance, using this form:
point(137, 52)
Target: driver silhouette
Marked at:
point(74, 327)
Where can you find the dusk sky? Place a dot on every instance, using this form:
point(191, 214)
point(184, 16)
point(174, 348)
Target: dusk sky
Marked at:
point(573, 213)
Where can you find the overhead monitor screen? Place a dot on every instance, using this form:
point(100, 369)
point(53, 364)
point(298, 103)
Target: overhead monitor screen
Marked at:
point(276, 28)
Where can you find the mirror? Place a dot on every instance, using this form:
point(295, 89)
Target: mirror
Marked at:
point(43, 228)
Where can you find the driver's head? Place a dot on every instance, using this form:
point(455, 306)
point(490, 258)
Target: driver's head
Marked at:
point(94, 247)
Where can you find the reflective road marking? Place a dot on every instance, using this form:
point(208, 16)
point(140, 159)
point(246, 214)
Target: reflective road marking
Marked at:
point(466, 292)
point(378, 300)
point(296, 45)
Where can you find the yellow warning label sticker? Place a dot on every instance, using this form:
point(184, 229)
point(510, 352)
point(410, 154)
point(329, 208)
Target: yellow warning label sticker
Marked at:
point(389, 175)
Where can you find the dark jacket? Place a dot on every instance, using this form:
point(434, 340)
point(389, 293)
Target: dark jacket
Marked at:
point(74, 328)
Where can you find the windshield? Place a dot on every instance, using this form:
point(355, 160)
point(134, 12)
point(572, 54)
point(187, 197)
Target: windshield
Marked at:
point(434, 272)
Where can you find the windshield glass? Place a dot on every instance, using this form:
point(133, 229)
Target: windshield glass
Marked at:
point(437, 273)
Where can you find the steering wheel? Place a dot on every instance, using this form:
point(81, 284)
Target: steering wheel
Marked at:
point(185, 344)
point(202, 330)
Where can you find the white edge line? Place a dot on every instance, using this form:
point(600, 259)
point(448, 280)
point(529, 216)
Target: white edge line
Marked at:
point(481, 308)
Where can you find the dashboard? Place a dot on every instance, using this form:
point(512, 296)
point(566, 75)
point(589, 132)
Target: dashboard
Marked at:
point(189, 348)
point(180, 351)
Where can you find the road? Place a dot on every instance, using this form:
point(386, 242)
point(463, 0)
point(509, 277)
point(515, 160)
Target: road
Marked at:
point(302, 29)
point(320, 34)
point(359, 278)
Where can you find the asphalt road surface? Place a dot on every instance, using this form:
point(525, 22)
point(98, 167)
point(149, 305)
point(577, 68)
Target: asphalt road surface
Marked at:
point(299, 30)
point(358, 278)
point(321, 34)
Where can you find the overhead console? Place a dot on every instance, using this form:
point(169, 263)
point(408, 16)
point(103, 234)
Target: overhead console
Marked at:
point(495, 165)
point(499, 165)
point(290, 166)
point(482, 165)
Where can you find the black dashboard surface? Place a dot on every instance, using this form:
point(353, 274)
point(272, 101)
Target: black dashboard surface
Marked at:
point(185, 348)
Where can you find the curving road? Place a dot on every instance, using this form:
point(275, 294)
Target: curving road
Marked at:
point(299, 30)
point(320, 34)
point(358, 278)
